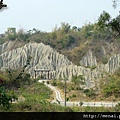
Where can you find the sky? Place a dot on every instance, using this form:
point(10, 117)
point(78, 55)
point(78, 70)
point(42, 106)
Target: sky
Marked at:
point(46, 14)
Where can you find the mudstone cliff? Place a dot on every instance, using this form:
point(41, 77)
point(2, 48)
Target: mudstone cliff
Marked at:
point(44, 57)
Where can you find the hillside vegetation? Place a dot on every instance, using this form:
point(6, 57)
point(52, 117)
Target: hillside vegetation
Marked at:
point(73, 42)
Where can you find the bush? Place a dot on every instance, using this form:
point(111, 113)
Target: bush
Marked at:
point(78, 79)
point(74, 96)
point(88, 92)
point(79, 88)
point(48, 82)
point(111, 87)
point(5, 98)
point(81, 103)
point(67, 99)
point(93, 67)
point(72, 88)
point(61, 85)
point(118, 72)
point(54, 83)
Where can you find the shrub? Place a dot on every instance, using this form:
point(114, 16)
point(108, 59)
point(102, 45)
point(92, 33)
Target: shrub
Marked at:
point(74, 95)
point(5, 98)
point(79, 88)
point(54, 83)
point(78, 79)
point(67, 99)
point(81, 103)
point(72, 88)
point(48, 82)
point(93, 67)
point(88, 92)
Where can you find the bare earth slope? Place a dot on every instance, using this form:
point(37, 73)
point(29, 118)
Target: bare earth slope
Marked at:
point(44, 57)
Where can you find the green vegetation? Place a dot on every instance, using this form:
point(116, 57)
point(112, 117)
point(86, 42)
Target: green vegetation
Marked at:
point(71, 41)
point(6, 98)
point(54, 83)
point(93, 67)
point(78, 79)
point(38, 96)
point(37, 99)
point(111, 86)
point(88, 92)
point(112, 24)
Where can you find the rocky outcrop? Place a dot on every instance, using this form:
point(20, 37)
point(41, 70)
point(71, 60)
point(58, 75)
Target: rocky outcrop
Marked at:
point(44, 57)
point(90, 75)
point(6, 47)
point(88, 60)
point(103, 51)
point(114, 63)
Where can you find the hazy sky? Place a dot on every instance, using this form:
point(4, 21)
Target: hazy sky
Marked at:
point(46, 14)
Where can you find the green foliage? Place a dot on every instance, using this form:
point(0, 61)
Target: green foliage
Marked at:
point(60, 84)
point(117, 72)
point(41, 106)
point(2, 40)
point(36, 100)
point(65, 39)
point(16, 80)
point(103, 19)
point(78, 79)
point(81, 103)
point(12, 37)
point(54, 83)
point(6, 98)
point(65, 27)
point(105, 22)
point(48, 82)
point(35, 92)
point(112, 86)
point(88, 92)
point(93, 67)
point(117, 107)
point(73, 95)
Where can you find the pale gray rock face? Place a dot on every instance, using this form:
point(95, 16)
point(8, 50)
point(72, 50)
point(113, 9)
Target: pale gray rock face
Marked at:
point(5, 47)
point(90, 76)
point(103, 51)
point(44, 57)
point(114, 63)
point(88, 60)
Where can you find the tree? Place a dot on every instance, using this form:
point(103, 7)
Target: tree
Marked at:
point(112, 24)
point(5, 98)
point(20, 74)
point(65, 27)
